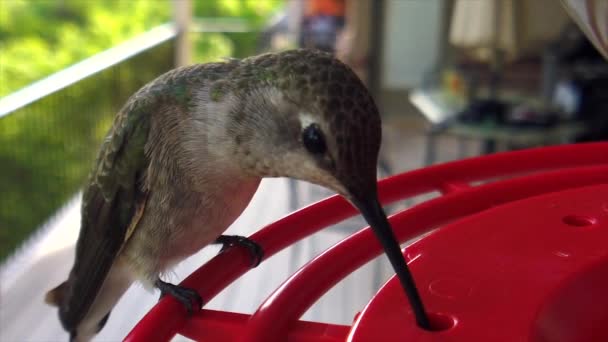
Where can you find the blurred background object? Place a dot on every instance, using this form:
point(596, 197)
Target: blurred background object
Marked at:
point(584, 91)
point(323, 20)
point(513, 80)
point(452, 78)
point(591, 17)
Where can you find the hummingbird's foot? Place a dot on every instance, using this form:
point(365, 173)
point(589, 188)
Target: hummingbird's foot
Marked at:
point(256, 251)
point(184, 295)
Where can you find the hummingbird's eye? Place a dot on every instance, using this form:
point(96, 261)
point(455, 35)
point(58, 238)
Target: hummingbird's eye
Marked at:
point(313, 139)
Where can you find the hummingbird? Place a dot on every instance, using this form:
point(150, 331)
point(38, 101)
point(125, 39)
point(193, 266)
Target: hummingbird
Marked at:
point(185, 155)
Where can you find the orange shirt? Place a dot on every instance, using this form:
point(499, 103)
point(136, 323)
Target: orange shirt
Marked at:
point(325, 7)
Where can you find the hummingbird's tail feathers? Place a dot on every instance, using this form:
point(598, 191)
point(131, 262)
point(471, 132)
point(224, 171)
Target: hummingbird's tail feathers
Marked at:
point(103, 322)
point(117, 282)
point(55, 296)
point(90, 323)
point(76, 337)
point(83, 334)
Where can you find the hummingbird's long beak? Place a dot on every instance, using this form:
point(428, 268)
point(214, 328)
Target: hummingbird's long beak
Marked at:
point(372, 211)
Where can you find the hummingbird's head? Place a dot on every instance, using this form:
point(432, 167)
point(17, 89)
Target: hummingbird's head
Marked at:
point(308, 117)
point(304, 114)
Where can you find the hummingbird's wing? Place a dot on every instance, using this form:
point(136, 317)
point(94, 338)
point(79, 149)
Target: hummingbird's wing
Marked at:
point(112, 204)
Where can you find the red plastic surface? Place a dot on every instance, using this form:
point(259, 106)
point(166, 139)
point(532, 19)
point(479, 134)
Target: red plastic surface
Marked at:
point(306, 286)
point(277, 318)
point(219, 326)
point(531, 270)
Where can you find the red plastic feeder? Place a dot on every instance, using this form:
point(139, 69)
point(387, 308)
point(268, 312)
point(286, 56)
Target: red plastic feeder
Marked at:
point(522, 257)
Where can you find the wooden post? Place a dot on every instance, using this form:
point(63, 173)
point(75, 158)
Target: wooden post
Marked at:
point(377, 36)
point(295, 12)
point(182, 16)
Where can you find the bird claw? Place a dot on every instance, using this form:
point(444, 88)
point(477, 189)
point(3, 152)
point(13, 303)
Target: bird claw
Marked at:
point(184, 295)
point(256, 251)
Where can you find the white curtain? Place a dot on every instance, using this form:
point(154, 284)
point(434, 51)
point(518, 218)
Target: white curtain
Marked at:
point(516, 27)
point(592, 18)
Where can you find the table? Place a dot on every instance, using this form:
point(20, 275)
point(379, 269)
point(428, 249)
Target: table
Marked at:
point(441, 110)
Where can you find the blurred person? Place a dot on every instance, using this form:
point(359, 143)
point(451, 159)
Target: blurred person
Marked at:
point(353, 42)
point(322, 22)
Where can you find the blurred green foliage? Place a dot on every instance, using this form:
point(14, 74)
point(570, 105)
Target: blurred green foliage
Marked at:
point(39, 37)
point(256, 12)
point(47, 147)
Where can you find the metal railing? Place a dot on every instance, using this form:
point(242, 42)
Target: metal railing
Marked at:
point(50, 130)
